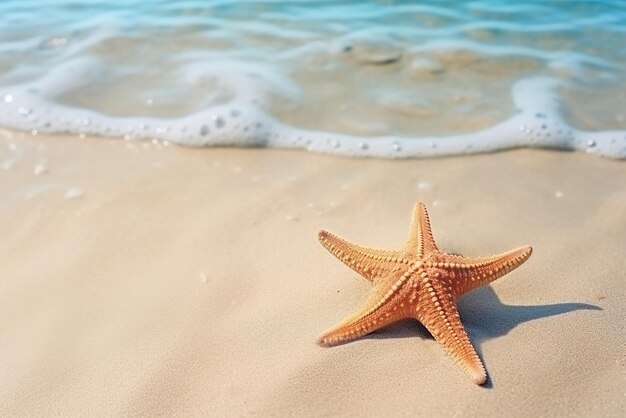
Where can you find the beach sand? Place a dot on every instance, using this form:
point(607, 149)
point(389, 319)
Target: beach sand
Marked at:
point(143, 279)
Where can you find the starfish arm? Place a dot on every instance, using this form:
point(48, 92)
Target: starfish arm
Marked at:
point(369, 263)
point(444, 323)
point(471, 273)
point(387, 305)
point(357, 326)
point(420, 240)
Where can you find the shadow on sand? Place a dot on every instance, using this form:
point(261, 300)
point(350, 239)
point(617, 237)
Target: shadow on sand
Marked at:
point(477, 305)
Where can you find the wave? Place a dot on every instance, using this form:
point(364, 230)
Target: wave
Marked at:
point(364, 80)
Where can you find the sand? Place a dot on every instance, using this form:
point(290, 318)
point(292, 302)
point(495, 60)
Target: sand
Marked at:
point(141, 279)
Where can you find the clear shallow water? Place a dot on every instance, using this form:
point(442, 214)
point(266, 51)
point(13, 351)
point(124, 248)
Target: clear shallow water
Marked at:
point(383, 79)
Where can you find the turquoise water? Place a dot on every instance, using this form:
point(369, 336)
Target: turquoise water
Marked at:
point(381, 79)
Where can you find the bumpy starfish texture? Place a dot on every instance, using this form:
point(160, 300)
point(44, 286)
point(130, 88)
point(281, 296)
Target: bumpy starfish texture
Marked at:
point(420, 282)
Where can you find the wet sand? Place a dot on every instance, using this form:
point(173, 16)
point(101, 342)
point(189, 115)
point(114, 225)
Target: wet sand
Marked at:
point(142, 279)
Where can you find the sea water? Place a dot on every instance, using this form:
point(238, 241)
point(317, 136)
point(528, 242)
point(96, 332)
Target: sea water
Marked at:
point(357, 78)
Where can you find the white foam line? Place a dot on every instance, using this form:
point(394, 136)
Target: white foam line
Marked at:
point(538, 124)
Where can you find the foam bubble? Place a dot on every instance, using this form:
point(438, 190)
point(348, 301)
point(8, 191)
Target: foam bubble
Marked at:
point(74, 193)
point(40, 168)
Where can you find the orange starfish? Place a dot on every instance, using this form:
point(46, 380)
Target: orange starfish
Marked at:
point(419, 282)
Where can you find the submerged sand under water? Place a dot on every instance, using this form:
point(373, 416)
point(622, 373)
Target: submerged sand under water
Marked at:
point(138, 279)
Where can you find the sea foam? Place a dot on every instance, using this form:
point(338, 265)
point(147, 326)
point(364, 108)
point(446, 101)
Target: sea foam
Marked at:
point(333, 87)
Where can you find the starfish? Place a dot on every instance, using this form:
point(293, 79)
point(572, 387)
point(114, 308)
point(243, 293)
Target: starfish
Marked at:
point(420, 282)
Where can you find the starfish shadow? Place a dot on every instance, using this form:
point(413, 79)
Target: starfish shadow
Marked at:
point(506, 317)
point(484, 302)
